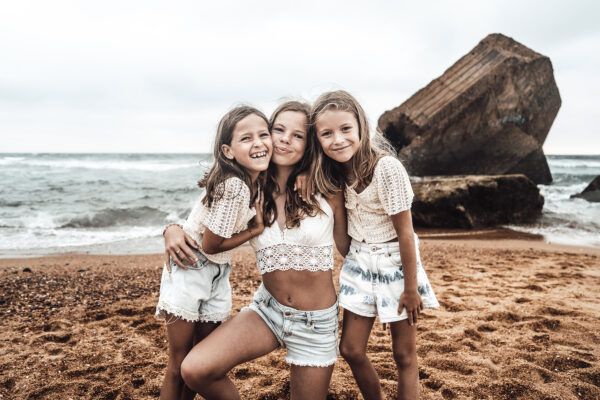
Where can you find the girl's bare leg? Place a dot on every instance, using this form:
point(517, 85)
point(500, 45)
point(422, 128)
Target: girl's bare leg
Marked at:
point(203, 329)
point(309, 382)
point(353, 347)
point(245, 337)
point(181, 338)
point(404, 348)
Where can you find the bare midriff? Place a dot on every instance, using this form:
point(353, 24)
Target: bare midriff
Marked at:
point(302, 290)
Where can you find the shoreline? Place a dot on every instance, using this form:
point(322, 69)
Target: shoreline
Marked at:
point(505, 235)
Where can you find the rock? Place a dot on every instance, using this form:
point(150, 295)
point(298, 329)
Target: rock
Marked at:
point(475, 201)
point(26, 269)
point(591, 192)
point(488, 114)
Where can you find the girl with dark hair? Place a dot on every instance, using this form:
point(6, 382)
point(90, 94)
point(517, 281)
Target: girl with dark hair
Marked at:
point(195, 297)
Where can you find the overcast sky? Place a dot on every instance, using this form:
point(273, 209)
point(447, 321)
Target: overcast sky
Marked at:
point(152, 76)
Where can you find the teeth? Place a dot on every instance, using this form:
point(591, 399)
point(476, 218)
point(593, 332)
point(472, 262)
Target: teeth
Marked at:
point(258, 155)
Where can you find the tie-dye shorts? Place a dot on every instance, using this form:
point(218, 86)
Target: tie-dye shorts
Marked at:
point(372, 280)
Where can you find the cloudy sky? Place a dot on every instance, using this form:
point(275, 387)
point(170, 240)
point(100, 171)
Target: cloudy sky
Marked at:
point(152, 76)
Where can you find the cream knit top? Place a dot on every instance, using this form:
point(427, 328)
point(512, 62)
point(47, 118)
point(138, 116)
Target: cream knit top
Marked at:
point(388, 193)
point(228, 215)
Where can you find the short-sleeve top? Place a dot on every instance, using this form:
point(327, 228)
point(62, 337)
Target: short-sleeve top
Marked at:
point(388, 193)
point(226, 216)
point(305, 247)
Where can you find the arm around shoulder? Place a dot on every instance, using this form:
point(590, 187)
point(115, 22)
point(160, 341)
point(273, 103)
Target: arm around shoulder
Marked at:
point(340, 223)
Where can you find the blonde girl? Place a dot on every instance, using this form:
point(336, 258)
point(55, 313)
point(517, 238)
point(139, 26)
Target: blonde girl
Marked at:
point(382, 274)
point(195, 295)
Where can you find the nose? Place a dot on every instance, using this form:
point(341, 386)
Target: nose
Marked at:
point(338, 137)
point(285, 138)
point(257, 142)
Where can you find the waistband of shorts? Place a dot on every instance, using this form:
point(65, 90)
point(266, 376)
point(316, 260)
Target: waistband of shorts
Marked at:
point(295, 314)
point(385, 248)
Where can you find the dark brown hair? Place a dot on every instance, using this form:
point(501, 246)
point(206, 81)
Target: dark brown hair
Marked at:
point(223, 167)
point(295, 208)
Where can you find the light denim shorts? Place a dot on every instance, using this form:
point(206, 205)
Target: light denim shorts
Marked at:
point(372, 281)
point(200, 293)
point(310, 337)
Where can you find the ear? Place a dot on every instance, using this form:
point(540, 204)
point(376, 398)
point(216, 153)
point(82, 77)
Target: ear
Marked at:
point(227, 151)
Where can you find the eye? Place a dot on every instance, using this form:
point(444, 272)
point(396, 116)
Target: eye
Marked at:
point(244, 138)
point(265, 134)
point(325, 133)
point(346, 128)
point(278, 129)
point(299, 136)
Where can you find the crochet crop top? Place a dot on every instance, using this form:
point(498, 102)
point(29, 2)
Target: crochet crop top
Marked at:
point(388, 193)
point(306, 247)
point(226, 216)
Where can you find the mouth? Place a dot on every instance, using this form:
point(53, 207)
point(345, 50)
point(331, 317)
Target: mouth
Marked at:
point(259, 155)
point(282, 150)
point(339, 149)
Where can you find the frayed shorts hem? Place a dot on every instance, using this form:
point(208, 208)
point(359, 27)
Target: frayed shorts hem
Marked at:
point(164, 308)
point(324, 364)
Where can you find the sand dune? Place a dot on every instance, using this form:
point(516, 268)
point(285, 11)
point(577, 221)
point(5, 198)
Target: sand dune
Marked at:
point(519, 319)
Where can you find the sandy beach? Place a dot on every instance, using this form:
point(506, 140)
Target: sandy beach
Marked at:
point(519, 318)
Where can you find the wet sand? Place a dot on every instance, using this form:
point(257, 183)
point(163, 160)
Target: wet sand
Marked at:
point(519, 318)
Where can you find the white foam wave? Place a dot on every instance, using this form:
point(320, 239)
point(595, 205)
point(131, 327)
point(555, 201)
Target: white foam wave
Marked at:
point(104, 164)
point(10, 160)
point(22, 239)
point(574, 164)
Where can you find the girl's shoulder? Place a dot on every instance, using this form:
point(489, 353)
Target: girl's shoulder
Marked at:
point(233, 187)
point(389, 168)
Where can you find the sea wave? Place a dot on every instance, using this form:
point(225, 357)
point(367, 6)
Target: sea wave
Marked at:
point(135, 216)
point(103, 165)
point(575, 164)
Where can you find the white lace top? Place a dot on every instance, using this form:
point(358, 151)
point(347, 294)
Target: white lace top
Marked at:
point(388, 193)
point(306, 247)
point(229, 215)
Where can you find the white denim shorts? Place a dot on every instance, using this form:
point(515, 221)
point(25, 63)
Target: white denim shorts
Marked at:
point(200, 293)
point(310, 337)
point(372, 281)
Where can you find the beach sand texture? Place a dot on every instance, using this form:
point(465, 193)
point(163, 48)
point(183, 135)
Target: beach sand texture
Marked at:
point(518, 319)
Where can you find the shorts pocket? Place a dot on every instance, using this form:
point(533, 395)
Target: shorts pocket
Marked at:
point(201, 263)
point(396, 260)
point(324, 327)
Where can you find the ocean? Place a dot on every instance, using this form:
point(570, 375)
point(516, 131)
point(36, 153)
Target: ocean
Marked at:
point(120, 203)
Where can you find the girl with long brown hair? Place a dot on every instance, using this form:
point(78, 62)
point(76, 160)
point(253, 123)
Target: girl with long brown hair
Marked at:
point(195, 297)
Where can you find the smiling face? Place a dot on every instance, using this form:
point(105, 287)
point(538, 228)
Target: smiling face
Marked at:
point(289, 138)
point(338, 134)
point(251, 145)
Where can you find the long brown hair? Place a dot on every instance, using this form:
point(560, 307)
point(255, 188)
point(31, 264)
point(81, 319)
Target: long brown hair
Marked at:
point(329, 176)
point(223, 167)
point(295, 208)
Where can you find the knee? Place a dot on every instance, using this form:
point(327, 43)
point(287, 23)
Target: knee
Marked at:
point(404, 358)
point(352, 354)
point(196, 374)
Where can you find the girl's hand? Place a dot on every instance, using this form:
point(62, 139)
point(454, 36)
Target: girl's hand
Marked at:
point(411, 300)
point(303, 187)
point(176, 246)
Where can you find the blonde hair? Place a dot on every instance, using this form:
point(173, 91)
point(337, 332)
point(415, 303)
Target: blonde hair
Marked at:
point(329, 176)
point(223, 167)
point(295, 208)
